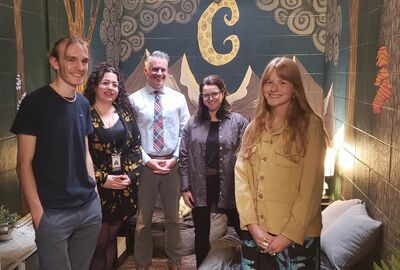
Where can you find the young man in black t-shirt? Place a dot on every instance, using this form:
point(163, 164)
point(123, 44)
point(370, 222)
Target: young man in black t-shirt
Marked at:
point(54, 165)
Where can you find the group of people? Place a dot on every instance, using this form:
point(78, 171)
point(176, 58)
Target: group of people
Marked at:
point(266, 176)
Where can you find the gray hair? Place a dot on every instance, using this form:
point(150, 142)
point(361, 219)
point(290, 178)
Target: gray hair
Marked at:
point(156, 54)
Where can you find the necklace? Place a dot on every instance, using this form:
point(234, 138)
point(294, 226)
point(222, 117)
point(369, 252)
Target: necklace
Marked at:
point(276, 127)
point(106, 124)
point(70, 100)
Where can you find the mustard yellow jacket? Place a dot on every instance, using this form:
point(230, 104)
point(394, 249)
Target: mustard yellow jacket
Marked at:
point(280, 195)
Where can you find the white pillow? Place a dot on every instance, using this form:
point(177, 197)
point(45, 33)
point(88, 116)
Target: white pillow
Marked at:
point(335, 210)
point(350, 237)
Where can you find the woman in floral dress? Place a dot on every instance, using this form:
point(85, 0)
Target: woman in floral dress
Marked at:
point(115, 149)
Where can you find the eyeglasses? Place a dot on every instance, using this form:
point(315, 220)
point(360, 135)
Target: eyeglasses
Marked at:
point(214, 95)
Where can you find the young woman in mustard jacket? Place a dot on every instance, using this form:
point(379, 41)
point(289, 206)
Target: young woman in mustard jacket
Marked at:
point(279, 175)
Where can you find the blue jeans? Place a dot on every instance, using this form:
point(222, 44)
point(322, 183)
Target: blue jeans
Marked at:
point(66, 239)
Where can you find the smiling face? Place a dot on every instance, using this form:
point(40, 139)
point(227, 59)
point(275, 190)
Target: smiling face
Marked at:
point(212, 97)
point(107, 89)
point(277, 91)
point(71, 64)
point(156, 72)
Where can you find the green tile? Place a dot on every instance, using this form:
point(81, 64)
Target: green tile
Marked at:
point(8, 81)
point(36, 6)
point(7, 55)
point(57, 29)
point(34, 30)
point(34, 80)
point(6, 3)
point(7, 22)
point(56, 9)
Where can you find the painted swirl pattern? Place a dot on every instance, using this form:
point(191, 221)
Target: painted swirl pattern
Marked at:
point(301, 17)
point(333, 31)
point(125, 23)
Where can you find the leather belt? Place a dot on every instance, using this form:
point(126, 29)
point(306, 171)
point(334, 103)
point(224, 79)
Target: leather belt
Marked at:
point(161, 157)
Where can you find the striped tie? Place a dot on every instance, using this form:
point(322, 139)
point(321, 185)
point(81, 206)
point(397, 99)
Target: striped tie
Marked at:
point(158, 132)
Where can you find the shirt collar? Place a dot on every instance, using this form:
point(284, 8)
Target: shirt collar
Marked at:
point(151, 90)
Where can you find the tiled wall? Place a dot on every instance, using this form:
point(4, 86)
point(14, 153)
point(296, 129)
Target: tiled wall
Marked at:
point(369, 146)
point(42, 21)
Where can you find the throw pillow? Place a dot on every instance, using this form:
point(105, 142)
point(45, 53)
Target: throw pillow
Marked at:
point(335, 210)
point(350, 237)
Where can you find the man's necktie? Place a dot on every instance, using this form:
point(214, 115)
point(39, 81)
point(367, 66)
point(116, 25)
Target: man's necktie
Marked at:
point(158, 132)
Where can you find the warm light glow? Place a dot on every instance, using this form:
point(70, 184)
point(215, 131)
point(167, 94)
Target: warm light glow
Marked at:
point(345, 152)
point(330, 161)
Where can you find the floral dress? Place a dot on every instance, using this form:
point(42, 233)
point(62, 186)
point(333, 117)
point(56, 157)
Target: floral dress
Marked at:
point(117, 205)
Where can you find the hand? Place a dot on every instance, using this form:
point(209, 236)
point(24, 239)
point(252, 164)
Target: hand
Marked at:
point(188, 198)
point(169, 163)
point(159, 166)
point(261, 237)
point(36, 216)
point(278, 244)
point(117, 182)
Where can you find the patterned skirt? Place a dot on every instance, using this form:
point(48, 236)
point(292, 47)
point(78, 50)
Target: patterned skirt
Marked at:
point(294, 257)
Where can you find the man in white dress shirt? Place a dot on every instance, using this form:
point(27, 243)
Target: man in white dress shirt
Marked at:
point(161, 116)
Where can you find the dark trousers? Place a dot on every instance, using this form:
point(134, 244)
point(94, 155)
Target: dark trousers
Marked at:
point(202, 224)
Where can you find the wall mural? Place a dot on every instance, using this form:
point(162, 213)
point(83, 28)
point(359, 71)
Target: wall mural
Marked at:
point(333, 32)
point(382, 81)
point(20, 78)
point(125, 23)
point(306, 17)
point(243, 100)
point(76, 22)
point(204, 33)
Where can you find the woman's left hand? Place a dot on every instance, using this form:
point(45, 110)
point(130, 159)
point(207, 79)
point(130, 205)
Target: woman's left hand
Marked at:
point(278, 244)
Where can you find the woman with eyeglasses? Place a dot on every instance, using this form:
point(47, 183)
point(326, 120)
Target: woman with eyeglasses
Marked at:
point(115, 149)
point(207, 159)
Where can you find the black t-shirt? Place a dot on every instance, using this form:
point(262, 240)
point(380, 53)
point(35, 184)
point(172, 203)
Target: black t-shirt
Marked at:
point(59, 162)
point(212, 146)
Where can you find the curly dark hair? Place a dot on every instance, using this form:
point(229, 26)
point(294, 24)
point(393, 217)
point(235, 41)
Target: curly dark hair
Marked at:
point(121, 103)
point(202, 113)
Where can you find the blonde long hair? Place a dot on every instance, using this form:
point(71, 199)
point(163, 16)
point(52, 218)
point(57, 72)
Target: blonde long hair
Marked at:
point(298, 115)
